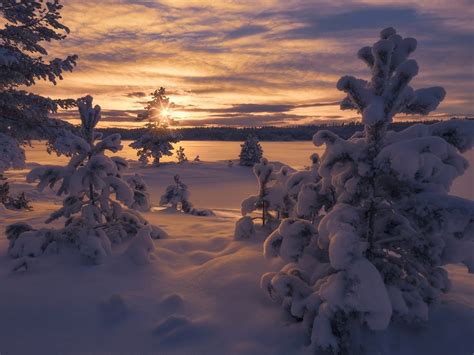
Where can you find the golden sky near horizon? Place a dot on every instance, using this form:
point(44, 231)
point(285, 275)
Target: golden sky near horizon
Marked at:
point(245, 63)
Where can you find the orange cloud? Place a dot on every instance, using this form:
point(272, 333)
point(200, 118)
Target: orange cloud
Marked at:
point(212, 54)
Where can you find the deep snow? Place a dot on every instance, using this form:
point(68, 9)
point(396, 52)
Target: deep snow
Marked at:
point(199, 295)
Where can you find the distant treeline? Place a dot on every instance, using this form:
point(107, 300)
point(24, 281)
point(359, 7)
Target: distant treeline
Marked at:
point(289, 133)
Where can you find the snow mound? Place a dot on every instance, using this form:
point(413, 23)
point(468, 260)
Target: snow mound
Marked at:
point(142, 247)
point(114, 308)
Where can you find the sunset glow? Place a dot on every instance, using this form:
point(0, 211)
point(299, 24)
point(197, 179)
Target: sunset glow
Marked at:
point(250, 64)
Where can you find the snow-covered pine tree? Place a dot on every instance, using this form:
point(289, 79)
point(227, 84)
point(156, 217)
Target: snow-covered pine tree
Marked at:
point(263, 171)
point(181, 156)
point(157, 139)
point(140, 191)
point(97, 196)
point(154, 143)
point(251, 151)
point(157, 109)
point(177, 195)
point(26, 26)
point(272, 199)
point(377, 254)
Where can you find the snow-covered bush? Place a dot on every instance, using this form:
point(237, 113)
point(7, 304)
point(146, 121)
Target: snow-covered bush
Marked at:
point(272, 198)
point(244, 228)
point(386, 223)
point(251, 151)
point(177, 195)
point(19, 202)
point(141, 196)
point(299, 178)
point(280, 194)
point(181, 156)
point(99, 204)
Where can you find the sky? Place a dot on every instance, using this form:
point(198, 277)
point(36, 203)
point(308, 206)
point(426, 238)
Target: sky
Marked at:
point(253, 63)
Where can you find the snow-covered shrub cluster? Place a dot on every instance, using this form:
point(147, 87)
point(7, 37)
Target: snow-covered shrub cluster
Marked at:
point(141, 196)
point(384, 224)
point(177, 195)
point(19, 202)
point(99, 205)
point(251, 151)
point(279, 196)
point(305, 189)
point(272, 195)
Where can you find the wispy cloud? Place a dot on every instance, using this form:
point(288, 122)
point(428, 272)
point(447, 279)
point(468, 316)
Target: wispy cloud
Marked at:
point(272, 61)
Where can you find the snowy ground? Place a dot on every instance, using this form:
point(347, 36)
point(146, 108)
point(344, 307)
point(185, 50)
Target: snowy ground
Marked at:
point(200, 295)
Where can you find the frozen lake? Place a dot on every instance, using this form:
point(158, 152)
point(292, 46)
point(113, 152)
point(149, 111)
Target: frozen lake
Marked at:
point(294, 154)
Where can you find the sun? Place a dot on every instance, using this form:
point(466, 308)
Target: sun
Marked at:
point(165, 112)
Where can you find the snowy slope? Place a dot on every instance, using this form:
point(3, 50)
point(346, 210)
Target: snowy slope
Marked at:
point(200, 295)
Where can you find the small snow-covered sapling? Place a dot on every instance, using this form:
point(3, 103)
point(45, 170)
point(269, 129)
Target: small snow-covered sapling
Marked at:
point(272, 199)
point(181, 156)
point(251, 151)
point(99, 205)
point(177, 195)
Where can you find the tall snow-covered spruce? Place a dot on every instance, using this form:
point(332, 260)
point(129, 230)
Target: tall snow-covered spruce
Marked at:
point(157, 139)
point(375, 251)
point(251, 151)
point(99, 206)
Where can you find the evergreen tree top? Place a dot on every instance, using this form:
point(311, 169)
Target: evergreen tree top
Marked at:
point(28, 25)
point(388, 92)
